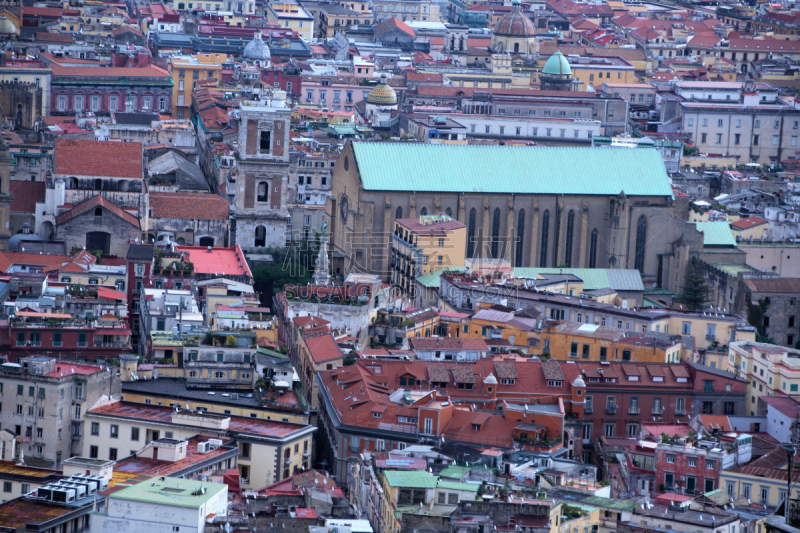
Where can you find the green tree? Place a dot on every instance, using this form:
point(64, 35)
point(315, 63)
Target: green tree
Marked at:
point(695, 289)
point(755, 316)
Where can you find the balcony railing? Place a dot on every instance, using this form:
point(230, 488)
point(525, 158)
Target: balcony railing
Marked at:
point(588, 409)
point(633, 410)
point(680, 411)
point(101, 344)
point(574, 355)
point(611, 409)
point(658, 410)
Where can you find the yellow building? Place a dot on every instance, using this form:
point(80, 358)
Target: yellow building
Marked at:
point(335, 17)
point(186, 70)
point(771, 370)
point(708, 329)
point(424, 244)
point(492, 324)
point(766, 487)
point(595, 71)
point(293, 16)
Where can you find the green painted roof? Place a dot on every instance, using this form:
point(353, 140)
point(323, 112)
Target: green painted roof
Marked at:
point(415, 479)
point(647, 303)
point(608, 503)
point(178, 495)
point(620, 279)
point(271, 353)
point(716, 233)
point(455, 485)
point(388, 166)
point(431, 279)
point(454, 471)
point(734, 270)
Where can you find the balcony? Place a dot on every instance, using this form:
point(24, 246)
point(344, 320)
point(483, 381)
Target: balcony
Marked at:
point(116, 344)
point(611, 409)
point(633, 410)
point(574, 355)
point(588, 409)
point(710, 337)
point(658, 410)
point(680, 411)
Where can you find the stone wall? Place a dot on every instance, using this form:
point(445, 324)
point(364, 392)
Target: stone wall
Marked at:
point(121, 232)
point(19, 103)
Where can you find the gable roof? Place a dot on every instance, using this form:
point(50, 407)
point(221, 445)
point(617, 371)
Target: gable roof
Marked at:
point(8, 259)
point(97, 201)
point(190, 206)
point(747, 223)
point(26, 194)
point(510, 169)
point(391, 24)
point(716, 233)
point(80, 157)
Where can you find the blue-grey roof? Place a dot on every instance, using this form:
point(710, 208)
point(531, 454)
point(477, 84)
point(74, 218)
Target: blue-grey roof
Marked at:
point(511, 169)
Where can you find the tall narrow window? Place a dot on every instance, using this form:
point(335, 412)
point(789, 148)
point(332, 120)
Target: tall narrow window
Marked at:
point(423, 212)
point(496, 232)
point(471, 234)
point(545, 232)
point(568, 244)
point(593, 250)
point(261, 236)
point(520, 238)
point(398, 213)
point(641, 237)
point(449, 211)
point(263, 191)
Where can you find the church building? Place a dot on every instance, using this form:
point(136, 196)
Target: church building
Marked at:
point(534, 206)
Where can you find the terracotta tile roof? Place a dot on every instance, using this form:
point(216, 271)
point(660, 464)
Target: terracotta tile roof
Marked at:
point(188, 206)
point(391, 24)
point(127, 29)
point(26, 194)
point(424, 76)
point(323, 348)
point(93, 202)
point(505, 370)
point(719, 422)
point(788, 406)
point(747, 223)
point(77, 157)
point(447, 343)
point(679, 371)
point(437, 372)
point(552, 370)
point(463, 374)
point(7, 259)
point(776, 285)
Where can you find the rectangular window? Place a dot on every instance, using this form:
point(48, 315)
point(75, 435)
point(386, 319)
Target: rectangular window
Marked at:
point(134, 433)
point(95, 428)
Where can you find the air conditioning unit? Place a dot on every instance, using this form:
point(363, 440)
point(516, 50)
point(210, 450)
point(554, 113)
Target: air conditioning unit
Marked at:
point(214, 443)
point(203, 447)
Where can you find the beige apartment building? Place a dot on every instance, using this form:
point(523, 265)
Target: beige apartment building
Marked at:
point(753, 130)
point(293, 16)
point(406, 10)
point(269, 451)
point(771, 370)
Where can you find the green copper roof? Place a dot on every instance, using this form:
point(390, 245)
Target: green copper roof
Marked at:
point(395, 166)
point(620, 279)
point(557, 64)
point(455, 485)
point(415, 479)
point(716, 233)
point(734, 270)
point(431, 280)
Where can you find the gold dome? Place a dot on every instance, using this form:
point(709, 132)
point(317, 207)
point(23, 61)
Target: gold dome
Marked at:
point(383, 94)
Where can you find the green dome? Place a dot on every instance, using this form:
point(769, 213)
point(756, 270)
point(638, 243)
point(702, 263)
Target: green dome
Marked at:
point(557, 64)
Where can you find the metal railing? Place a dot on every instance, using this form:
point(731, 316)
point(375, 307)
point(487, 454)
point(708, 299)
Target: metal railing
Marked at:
point(611, 409)
point(633, 410)
point(658, 410)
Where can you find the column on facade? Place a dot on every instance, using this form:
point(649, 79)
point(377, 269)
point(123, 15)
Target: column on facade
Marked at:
point(534, 234)
point(511, 232)
point(583, 246)
point(386, 238)
point(485, 233)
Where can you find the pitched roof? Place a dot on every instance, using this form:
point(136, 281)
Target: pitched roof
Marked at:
point(747, 223)
point(391, 24)
point(323, 348)
point(552, 370)
point(190, 206)
point(150, 71)
point(26, 194)
point(8, 259)
point(505, 370)
point(510, 169)
point(97, 201)
point(716, 233)
point(774, 285)
point(784, 404)
point(80, 157)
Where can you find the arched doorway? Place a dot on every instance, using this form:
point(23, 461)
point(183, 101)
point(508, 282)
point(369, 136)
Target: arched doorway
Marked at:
point(206, 241)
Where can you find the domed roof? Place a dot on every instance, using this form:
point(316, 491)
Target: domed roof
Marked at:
point(490, 380)
point(515, 24)
point(6, 26)
point(558, 65)
point(383, 94)
point(578, 382)
point(257, 49)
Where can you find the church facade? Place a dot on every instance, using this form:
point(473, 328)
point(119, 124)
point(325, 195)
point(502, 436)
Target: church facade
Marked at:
point(534, 206)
